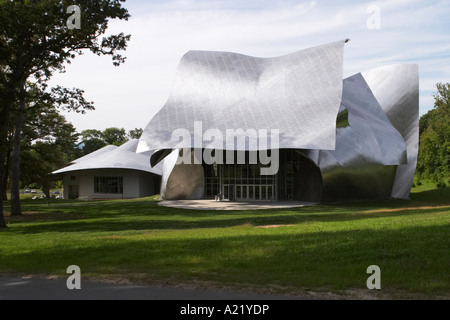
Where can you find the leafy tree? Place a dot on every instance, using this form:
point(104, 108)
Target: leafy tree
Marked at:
point(37, 162)
point(41, 115)
point(92, 134)
point(43, 124)
point(48, 143)
point(35, 42)
point(434, 151)
point(429, 157)
point(91, 140)
point(425, 120)
point(115, 136)
point(135, 133)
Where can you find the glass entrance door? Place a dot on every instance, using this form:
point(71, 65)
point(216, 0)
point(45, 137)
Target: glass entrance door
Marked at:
point(254, 192)
point(228, 192)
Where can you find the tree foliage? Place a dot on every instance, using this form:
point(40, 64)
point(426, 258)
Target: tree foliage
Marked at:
point(94, 139)
point(48, 143)
point(135, 133)
point(91, 140)
point(35, 42)
point(434, 147)
point(115, 136)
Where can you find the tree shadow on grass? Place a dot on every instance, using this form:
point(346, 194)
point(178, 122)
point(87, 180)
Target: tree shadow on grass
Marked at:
point(119, 220)
point(410, 259)
point(435, 196)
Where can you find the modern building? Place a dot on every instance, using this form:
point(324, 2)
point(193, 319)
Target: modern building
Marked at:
point(285, 128)
point(111, 173)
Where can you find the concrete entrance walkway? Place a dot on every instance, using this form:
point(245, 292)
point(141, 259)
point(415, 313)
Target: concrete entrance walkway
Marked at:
point(232, 205)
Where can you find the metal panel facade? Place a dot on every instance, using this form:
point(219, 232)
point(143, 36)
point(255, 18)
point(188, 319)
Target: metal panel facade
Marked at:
point(372, 154)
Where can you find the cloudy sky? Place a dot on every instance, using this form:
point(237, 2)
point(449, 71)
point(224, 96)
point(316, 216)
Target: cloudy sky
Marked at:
point(381, 33)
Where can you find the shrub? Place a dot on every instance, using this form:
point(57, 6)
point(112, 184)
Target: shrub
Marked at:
point(441, 184)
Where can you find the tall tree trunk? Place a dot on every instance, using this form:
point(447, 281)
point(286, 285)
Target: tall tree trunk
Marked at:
point(6, 175)
point(2, 218)
point(4, 120)
point(4, 194)
point(15, 159)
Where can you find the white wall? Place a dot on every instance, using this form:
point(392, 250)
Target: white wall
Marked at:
point(135, 183)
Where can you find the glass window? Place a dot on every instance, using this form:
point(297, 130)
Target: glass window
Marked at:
point(108, 184)
point(247, 176)
point(257, 194)
point(238, 192)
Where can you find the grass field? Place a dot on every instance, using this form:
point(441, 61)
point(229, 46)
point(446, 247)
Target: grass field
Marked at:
point(318, 251)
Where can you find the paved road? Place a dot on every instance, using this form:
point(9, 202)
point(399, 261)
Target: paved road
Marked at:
point(35, 288)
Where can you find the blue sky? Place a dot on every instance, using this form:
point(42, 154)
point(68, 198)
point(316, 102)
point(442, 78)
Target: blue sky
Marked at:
point(407, 31)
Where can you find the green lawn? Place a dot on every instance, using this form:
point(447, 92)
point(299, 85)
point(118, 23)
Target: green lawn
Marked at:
point(322, 249)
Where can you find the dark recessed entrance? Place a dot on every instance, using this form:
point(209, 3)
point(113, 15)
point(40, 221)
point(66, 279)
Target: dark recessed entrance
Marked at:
point(298, 178)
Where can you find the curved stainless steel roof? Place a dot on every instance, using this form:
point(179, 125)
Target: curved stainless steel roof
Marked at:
point(123, 157)
point(95, 153)
point(298, 94)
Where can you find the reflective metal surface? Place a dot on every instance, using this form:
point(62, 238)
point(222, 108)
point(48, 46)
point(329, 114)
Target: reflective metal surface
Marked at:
point(361, 133)
point(95, 153)
point(299, 94)
point(123, 157)
point(396, 88)
point(181, 181)
point(368, 150)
